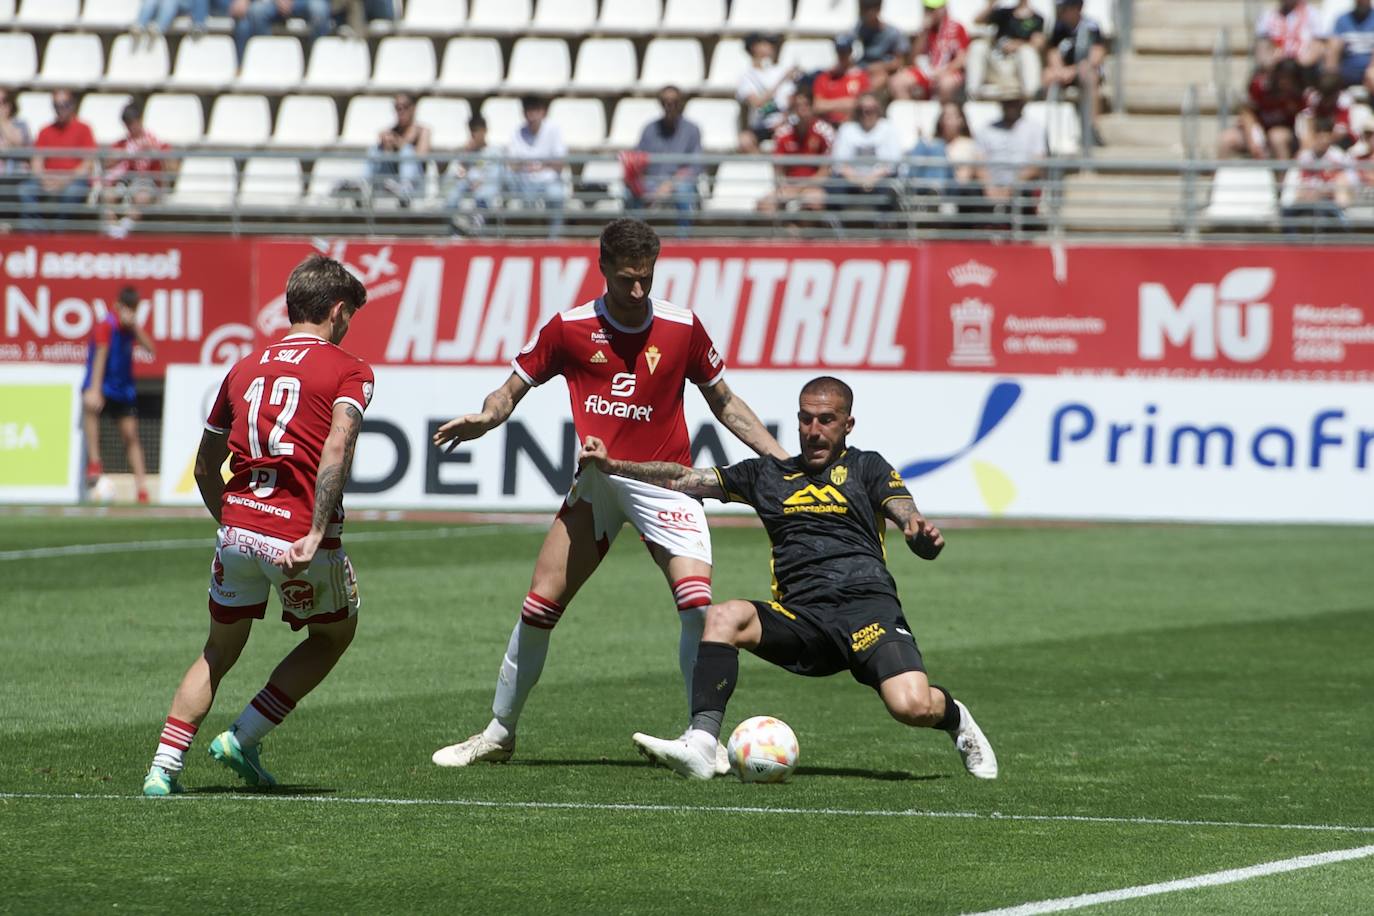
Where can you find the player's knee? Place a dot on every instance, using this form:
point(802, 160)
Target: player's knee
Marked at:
point(912, 707)
point(726, 622)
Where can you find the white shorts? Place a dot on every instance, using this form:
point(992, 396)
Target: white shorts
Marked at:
point(243, 574)
point(672, 520)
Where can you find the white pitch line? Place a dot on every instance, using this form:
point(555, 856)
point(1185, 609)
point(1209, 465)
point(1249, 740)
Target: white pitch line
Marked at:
point(74, 550)
point(1212, 879)
point(706, 809)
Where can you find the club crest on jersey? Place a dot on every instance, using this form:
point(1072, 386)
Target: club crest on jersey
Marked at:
point(651, 357)
point(367, 393)
point(598, 358)
point(838, 475)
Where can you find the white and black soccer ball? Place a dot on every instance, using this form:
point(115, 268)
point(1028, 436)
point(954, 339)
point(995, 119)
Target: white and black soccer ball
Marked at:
point(762, 749)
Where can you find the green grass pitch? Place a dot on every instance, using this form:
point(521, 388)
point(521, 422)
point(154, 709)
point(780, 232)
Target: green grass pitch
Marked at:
point(1198, 674)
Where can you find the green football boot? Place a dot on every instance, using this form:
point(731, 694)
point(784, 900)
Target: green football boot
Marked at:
point(243, 761)
point(159, 783)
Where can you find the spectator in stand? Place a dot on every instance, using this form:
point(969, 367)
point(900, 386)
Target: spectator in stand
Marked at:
point(534, 161)
point(883, 44)
point(802, 134)
point(1319, 187)
point(1362, 153)
point(652, 182)
point(1350, 47)
point(479, 179)
point(938, 54)
point(396, 167)
point(764, 90)
point(352, 16)
point(1012, 151)
point(262, 15)
point(14, 134)
point(1326, 100)
point(859, 184)
point(1268, 122)
point(63, 182)
point(1016, 48)
point(837, 90)
point(133, 180)
point(1289, 32)
point(109, 386)
point(155, 16)
point(948, 157)
point(1077, 53)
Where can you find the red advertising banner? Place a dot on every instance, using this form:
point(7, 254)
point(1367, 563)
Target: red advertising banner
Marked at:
point(195, 297)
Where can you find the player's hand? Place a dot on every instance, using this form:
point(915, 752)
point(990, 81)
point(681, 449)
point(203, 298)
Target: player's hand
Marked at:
point(924, 539)
point(593, 453)
point(299, 555)
point(463, 429)
point(93, 400)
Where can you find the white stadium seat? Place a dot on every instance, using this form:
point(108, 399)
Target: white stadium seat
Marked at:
point(913, 119)
point(499, 16)
point(366, 117)
point(826, 17)
point(205, 181)
point(35, 108)
point(434, 16)
point(326, 176)
point(693, 17)
point(18, 58)
point(503, 116)
point(208, 62)
point(338, 64)
point(114, 14)
point(272, 183)
point(1104, 12)
point(632, 16)
point(1063, 129)
point(447, 120)
point(72, 61)
point(239, 120)
point(610, 173)
point(101, 110)
point(564, 17)
point(909, 15)
point(538, 65)
point(582, 121)
point(403, 63)
point(472, 66)
point(673, 61)
point(719, 123)
point(306, 121)
point(271, 63)
point(810, 54)
point(728, 62)
point(629, 119)
point(980, 114)
point(605, 65)
point(1242, 194)
point(6, 10)
point(740, 185)
point(175, 118)
point(48, 14)
point(137, 65)
point(760, 16)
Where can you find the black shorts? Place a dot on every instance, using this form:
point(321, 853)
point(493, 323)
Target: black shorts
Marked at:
point(865, 635)
point(119, 409)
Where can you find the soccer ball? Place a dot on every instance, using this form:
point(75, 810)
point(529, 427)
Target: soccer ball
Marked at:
point(762, 749)
point(103, 490)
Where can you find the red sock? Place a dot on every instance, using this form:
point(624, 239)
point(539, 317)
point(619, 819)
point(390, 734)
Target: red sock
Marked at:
point(172, 746)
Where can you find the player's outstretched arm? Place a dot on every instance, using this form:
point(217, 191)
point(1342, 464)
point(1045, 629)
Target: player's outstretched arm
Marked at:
point(498, 406)
point(741, 420)
point(214, 448)
point(699, 482)
point(924, 539)
point(336, 460)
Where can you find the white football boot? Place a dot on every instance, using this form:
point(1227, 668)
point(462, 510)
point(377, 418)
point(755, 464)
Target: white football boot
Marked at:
point(973, 746)
point(477, 749)
point(722, 759)
point(677, 754)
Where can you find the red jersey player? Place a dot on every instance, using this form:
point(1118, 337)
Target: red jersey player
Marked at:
point(289, 415)
point(626, 359)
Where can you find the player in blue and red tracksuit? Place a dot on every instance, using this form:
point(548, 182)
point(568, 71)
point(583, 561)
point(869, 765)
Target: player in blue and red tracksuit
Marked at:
point(109, 385)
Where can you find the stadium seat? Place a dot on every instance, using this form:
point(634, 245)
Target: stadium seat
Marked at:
point(175, 118)
point(771, 16)
point(583, 122)
point(101, 110)
point(18, 58)
point(327, 174)
point(636, 17)
point(675, 61)
point(35, 108)
point(239, 120)
point(271, 183)
point(72, 61)
point(366, 117)
point(1104, 11)
point(825, 17)
point(471, 66)
point(810, 54)
point(208, 62)
point(137, 65)
point(306, 121)
point(728, 62)
point(205, 181)
point(538, 65)
point(338, 64)
point(719, 123)
point(605, 65)
point(48, 14)
point(434, 17)
point(740, 186)
point(606, 172)
point(1242, 194)
point(503, 116)
point(499, 16)
point(980, 114)
point(564, 17)
point(447, 120)
point(271, 63)
point(629, 119)
point(909, 16)
point(6, 10)
point(403, 64)
point(693, 17)
point(109, 14)
point(913, 119)
point(1063, 128)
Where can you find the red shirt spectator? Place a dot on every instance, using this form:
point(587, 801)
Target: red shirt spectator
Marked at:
point(73, 134)
point(1292, 29)
point(842, 84)
point(811, 137)
point(947, 43)
point(132, 163)
point(1275, 102)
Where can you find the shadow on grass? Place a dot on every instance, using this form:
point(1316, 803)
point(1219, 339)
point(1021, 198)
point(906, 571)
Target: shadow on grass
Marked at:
point(589, 762)
point(261, 790)
point(884, 775)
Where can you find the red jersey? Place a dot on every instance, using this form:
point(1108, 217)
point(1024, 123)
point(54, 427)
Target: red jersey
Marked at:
point(792, 140)
point(946, 44)
point(849, 85)
point(625, 383)
point(1270, 107)
point(277, 406)
point(75, 135)
point(134, 161)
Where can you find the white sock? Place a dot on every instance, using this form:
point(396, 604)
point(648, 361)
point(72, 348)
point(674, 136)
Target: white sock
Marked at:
point(262, 714)
point(693, 621)
point(701, 741)
point(520, 670)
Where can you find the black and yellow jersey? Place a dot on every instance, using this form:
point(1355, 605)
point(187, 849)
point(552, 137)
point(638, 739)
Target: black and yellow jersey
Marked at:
point(826, 527)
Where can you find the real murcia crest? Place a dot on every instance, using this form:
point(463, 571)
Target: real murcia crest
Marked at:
point(651, 357)
point(598, 358)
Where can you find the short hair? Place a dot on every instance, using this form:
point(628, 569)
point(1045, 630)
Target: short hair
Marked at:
point(128, 297)
point(828, 384)
point(316, 284)
point(628, 240)
point(530, 102)
point(477, 122)
point(805, 92)
point(866, 5)
point(409, 97)
point(131, 111)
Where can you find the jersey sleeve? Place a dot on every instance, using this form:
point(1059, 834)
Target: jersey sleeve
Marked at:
point(542, 357)
point(883, 481)
point(704, 364)
point(740, 481)
point(102, 333)
point(221, 417)
point(355, 386)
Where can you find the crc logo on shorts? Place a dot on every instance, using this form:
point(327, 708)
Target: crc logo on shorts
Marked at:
point(623, 385)
point(678, 520)
point(866, 637)
point(812, 498)
point(297, 595)
point(217, 571)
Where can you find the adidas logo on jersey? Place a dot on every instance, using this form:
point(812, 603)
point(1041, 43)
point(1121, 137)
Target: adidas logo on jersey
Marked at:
point(598, 358)
point(812, 498)
point(596, 404)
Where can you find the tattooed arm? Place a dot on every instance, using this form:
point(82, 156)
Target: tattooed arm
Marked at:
point(699, 482)
point(741, 420)
point(924, 539)
point(495, 410)
point(336, 459)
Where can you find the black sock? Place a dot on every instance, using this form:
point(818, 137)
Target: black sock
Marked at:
point(950, 721)
point(713, 680)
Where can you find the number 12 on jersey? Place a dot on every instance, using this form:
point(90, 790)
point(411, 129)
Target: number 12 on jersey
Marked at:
point(286, 394)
